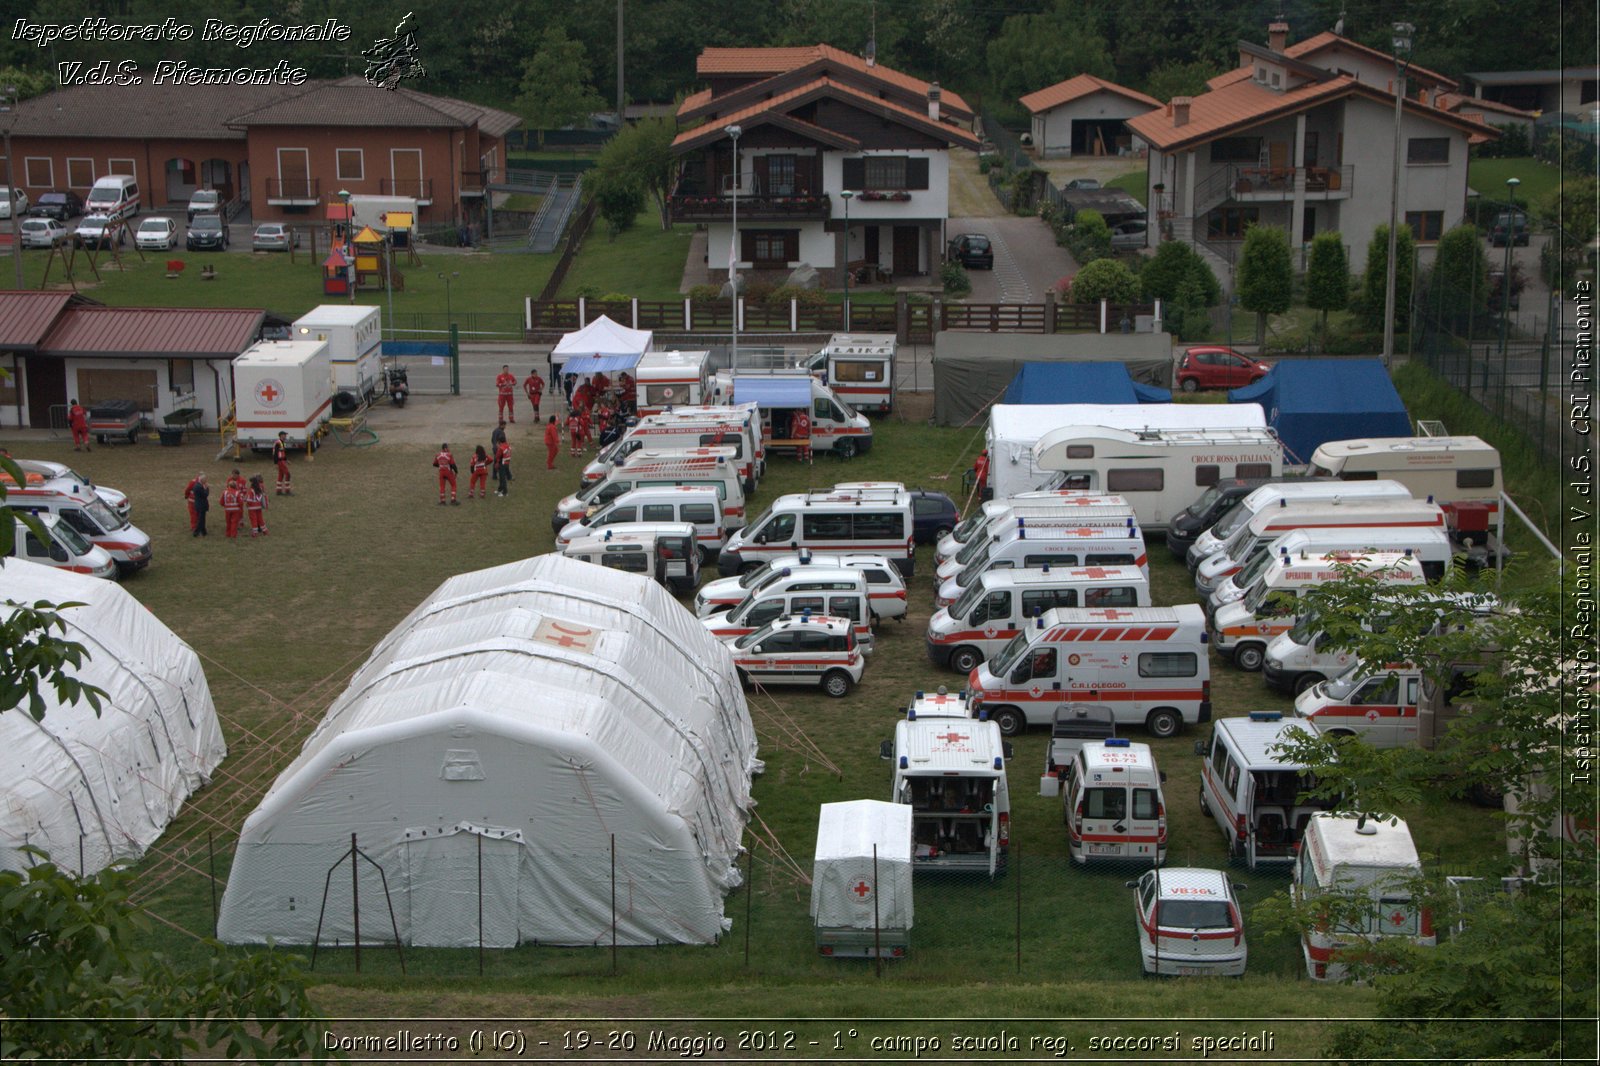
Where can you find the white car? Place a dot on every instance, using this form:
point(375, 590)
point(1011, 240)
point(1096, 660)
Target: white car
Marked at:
point(94, 231)
point(886, 587)
point(157, 233)
point(1190, 923)
point(13, 202)
point(43, 233)
point(808, 649)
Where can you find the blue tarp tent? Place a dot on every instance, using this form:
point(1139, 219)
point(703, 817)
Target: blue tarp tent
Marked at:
point(1080, 383)
point(773, 392)
point(1309, 401)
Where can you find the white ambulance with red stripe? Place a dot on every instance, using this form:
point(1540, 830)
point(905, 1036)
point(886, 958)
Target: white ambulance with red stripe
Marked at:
point(952, 773)
point(711, 470)
point(81, 508)
point(1025, 547)
point(1148, 664)
point(886, 588)
point(876, 521)
point(61, 547)
point(719, 425)
point(820, 590)
point(804, 649)
point(1057, 508)
point(1112, 804)
point(699, 505)
point(1259, 798)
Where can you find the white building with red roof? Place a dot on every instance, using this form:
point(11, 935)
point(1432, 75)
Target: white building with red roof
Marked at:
point(1084, 115)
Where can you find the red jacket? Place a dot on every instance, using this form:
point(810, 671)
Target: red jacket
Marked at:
point(502, 453)
point(77, 416)
point(533, 385)
point(552, 435)
point(480, 466)
point(444, 460)
point(506, 383)
point(231, 500)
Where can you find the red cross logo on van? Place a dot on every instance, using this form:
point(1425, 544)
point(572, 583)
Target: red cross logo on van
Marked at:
point(1095, 571)
point(953, 737)
point(862, 890)
point(1112, 613)
point(269, 393)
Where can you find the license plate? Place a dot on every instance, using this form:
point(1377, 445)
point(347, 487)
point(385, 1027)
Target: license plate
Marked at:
point(1104, 849)
point(1191, 971)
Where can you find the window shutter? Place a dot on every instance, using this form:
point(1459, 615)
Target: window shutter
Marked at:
point(747, 246)
point(758, 167)
point(855, 173)
point(916, 172)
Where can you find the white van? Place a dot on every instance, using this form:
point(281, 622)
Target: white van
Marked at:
point(1320, 517)
point(870, 521)
point(701, 507)
point(734, 427)
point(1112, 804)
point(1002, 602)
point(1043, 501)
point(671, 379)
point(116, 196)
point(35, 471)
point(81, 508)
point(1159, 471)
point(886, 588)
point(1258, 798)
point(664, 551)
point(1041, 514)
point(953, 776)
point(1368, 865)
point(62, 547)
point(1285, 494)
point(835, 425)
point(793, 591)
point(1430, 545)
point(1057, 546)
point(1148, 664)
point(1243, 628)
point(709, 471)
point(859, 367)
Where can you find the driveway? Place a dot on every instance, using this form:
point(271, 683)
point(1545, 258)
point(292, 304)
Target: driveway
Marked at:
point(1027, 260)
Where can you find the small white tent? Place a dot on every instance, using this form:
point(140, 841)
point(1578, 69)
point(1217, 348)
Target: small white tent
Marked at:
point(601, 345)
point(103, 786)
point(491, 748)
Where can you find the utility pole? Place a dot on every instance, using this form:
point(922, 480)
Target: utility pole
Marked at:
point(619, 64)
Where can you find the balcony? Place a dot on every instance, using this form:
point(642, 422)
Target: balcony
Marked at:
point(691, 202)
point(1277, 184)
point(294, 192)
point(473, 182)
point(418, 189)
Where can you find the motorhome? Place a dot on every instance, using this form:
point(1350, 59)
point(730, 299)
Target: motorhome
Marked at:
point(995, 516)
point(859, 368)
point(1259, 798)
point(953, 777)
point(1003, 602)
point(1025, 547)
point(1112, 804)
point(1159, 471)
point(1148, 664)
point(1283, 494)
point(1430, 544)
point(355, 348)
point(872, 521)
point(861, 895)
point(990, 510)
point(671, 379)
point(835, 426)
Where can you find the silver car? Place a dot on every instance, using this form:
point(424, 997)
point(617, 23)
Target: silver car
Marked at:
point(274, 237)
point(44, 233)
point(156, 232)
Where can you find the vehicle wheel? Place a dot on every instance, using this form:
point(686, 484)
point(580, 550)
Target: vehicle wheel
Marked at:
point(845, 449)
point(1205, 805)
point(1189, 385)
point(1305, 681)
point(1341, 733)
point(100, 438)
point(941, 533)
point(1163, 722)
point(836, 683)
point(1010, 720)
point(700, 555)
point(1249, 656)
point(965, 659)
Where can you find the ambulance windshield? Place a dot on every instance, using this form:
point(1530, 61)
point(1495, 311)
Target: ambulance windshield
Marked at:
point(973, 546)
point(1231, 521)
point(968, 526)
point(757, 576)
point(1001, 664)
point(969, 573)
point(103, 516)
point(74, 541)
point(963, 605)
point(1346, 682)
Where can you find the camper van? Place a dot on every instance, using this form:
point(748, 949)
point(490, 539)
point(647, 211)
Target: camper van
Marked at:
point(1025, 502)
point(861, 899)
point(355, 348)
point(829, 590)
point(995, 516)
point(1148, 664)
point(282, 386)
point(1112, 804)
point(870, 521)
point(715, 471)
point(1285, 494)
point(1429, 544)
point(80, 508)
point(664, 551)
point(835, 425)
point(1258, 798)
point(1373, 860)
point(699, 505)
point(699, 427)
point(1000, 604)
point(1243, 629)
point(859, 367)
point(953, 777)
point(1159, 471)
point(671, 379)
point(1026, 547)
point(886, 587)
point(62, 547)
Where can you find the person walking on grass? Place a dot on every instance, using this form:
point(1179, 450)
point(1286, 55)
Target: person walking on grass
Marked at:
point(502, 467)
point(533, 385)
point(478, 476)
point(505, 386)
point(199, 503)
point(255, 505)
point(552, 442)
point(280, 457)
point(446, 463)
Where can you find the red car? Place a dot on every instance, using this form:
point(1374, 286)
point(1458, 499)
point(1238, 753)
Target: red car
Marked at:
point(1216, 367)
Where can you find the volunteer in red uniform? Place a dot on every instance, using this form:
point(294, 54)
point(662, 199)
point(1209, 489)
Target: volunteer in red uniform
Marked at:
point(800, 429)
point(188, 498)
point(255, 505)
point(980, 473)
point(280, 456)
point(479, 473)
point(533, 385)
point(582, 397)
point(626, 387)
point(574, 433)
point(502, 467)
point(552, 443)
point(600, 383)
point(232, 510)
point(447, 474)
point(506, 386)
point(585, 426)
point(78, 419)
point(236, 479)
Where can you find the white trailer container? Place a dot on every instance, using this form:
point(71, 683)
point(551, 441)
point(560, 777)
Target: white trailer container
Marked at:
point(861, 904)
point(355, 339)
point(282, 386)
point(373, 210)
point(672, 379)
point(1015, 428)
point(859, 367)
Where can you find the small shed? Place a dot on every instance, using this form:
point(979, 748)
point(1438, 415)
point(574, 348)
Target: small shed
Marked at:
point(1080, 383)
point(93, 789)
point(1309, 401)
point(973, 370)
point(1084, 115)
point(602, 345)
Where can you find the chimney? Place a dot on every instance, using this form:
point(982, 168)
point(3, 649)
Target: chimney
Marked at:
point(1180, 110)
point(1278, 35)
point(933, 101)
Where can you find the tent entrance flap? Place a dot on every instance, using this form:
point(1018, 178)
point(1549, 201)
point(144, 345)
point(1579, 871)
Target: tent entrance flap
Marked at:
point(778, 392)
point(594, 364)
point(442, 873)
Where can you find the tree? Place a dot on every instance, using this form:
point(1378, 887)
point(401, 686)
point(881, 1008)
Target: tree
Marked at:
point(555, 84)
point(1327, 277)
point(1173, 263)
point(1458, 284)
point(1089, 237)
point(1266, 275)
point(641, 153)
point(1174, 78)
point(1187, 317)
point(619, 199)
point(1033, 51)
point(1105, 279)
point(1375, 280)
point(28, 82)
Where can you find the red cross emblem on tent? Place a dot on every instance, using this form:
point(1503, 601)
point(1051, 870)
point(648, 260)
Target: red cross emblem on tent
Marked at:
point(861, 889)
point(953, 737)
point(1112, 613)
point(566, 635)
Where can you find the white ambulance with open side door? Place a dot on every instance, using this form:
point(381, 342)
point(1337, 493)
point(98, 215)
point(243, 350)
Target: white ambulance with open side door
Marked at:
point(1258, 798)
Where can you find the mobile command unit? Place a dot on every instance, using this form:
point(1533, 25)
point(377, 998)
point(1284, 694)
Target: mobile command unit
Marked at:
point(355, 348)
point(282, 386)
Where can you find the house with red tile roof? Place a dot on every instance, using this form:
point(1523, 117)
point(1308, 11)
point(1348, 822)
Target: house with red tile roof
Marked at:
point(1302, 137)
point(814, 123)
point(1085, 116)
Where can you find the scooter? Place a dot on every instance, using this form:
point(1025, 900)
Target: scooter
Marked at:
point(397, 387)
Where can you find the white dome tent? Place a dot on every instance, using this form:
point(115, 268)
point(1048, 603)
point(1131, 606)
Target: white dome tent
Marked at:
point(95, 790)
point(520, 717)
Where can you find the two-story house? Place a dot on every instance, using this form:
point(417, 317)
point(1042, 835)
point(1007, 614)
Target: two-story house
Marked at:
point(804, 138)
point(1302, 137)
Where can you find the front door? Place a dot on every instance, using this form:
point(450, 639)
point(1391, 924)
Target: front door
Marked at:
point(874, 240)
point(907, 259)
point(443, 885)
point(47, 388)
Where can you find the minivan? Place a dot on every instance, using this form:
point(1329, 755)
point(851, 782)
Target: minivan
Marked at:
point(116, 196)
point(873, 521)
point(886, 587)
point(697, 505)
point(819, 590)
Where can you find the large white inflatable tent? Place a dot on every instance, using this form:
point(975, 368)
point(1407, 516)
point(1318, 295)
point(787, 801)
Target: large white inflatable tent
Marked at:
point(493, 745)
point(94, 790)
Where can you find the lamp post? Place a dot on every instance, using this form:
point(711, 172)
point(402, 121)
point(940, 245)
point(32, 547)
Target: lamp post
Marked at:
point(349, 244)
point(8, 114)
point(1505, 279)
point(446, 278)
point(846, 196)
point(1402, 51)
point(733, 242)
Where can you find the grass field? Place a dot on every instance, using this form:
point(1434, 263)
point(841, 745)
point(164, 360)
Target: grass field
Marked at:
point(1537, 180)
point(281, 624)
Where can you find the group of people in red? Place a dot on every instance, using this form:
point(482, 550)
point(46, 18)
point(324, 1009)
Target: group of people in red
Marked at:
point(595, 410)
point(240, 499)
point(479, 466)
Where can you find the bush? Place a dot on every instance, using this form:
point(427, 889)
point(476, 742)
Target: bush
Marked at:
point(1089, 238)
point(778, 298)
point(954, 278)
point(1514, 141)
point(756, 292)
point(1164, 273)
point(702, 293)
point(1105, 279)
point(1375, 280)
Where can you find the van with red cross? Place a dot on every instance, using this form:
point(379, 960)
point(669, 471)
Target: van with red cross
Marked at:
point(1027, 547)
point(952, 773)
point(1112, 804)
point(736, 427)
point(1036, 504)
point(886, 588)
point(802, 649)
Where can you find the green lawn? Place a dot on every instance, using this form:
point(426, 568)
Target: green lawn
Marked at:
point(642, 261)
point(1134, 183)
point(1488, 177)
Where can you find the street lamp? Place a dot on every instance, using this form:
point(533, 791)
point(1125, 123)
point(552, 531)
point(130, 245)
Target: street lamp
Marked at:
point(1402, 53)
point(446, 278)
point(350, 245)
point(846, 196)
point(1505, 279)
point(8, 114)
point(734, 131)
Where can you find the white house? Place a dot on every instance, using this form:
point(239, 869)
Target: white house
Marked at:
point(1084, 115)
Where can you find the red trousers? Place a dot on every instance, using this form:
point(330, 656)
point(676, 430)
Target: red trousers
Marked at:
point(283, 476)
point(80, 435)
point(508, 408)
point(478, 480)
point(258, 521)
point(194, 517)
point(233, 514)
point(550, 456)
point(535, 400)
point(447, 477)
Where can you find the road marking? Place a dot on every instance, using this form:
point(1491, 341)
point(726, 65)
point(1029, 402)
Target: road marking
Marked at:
point(1014, 287)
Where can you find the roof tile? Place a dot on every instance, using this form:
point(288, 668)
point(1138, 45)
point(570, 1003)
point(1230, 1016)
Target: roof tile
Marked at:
point(163, 332)
point(25, 317)
point(849, 93)
point(1078, 87)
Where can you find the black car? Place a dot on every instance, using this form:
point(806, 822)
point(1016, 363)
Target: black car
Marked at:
point(207, 232)
point(57, 205)
point(933, 514)
point(1509, 226)
point(973, 251)
point(1215, 502)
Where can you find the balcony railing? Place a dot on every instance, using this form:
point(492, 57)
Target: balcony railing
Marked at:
point(688, 204)
point(473, 181)
point(294, 190)
point(418, 189)
point(1280, 183)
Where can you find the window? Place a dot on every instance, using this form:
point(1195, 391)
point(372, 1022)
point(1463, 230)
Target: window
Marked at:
point(1277, 605)
point(825, 410)
point(1230, 779)
point(1207, 474)
point(40, 172)
point(1080, 451)
point(1105, 803)
point(1427, 150)
point(1229, 223)
point(1126, 596)
point(80, 173)
point(1380, 691)
point(813, 642)
point(880, 525)
point(656, 512)
point(924, 505)
point(701, 514)
point(779, 644)
point(857, 370)
point(1359, 475)
point(780, 528)
point(351, 164)
point(1145, 805)
point(891, 173)
point(1039, 664)
point(122, 166)
point(827, 527)
point(762, 613)
point(1219, 756)
point(1425, 225)
point(995, 606)
point(885, 172)
point(1038, 601)
point(1396, 916)
point(875, 576)
point(1135, 480)
point(1252, 470)
point(1236, 150)
point(801, 604)
point(621, 514)
point(1475, 479)
point(845, 607)
point(1168, 664)
point(1034, 562)
point(780, 175)
point(632, 562)
point(1108, 559)
point(777, 247)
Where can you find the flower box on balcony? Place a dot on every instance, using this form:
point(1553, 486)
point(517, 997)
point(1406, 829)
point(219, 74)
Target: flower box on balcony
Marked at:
point(896, 197)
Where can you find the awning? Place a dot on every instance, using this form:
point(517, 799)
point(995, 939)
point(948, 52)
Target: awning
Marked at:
point(593, 364)
point(773, 392)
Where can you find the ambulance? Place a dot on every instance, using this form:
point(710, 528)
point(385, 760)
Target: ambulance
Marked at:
point(886, 587)
point(859, 367)
point(874, 521)
point(1366, 869)
point(699, 505)
point(1285, 494)
point(836, 427)
point(715, 471)
point(1092, 511)
point(834, 591)
point(1148, 664)
point(990, 510)
point(671, 379)
point(690, 427)
point(1000, 604)
point(952, 774)
point(1430, 544)
point(1029, 547)
point(1112, 804)
point(940, 703)
point(1244, 628)
point(664, 551)
point(802, 649)
point(80, 508)
point(61, 547)
point(35, 471)
point(1259, 798)
point(1121, 526)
